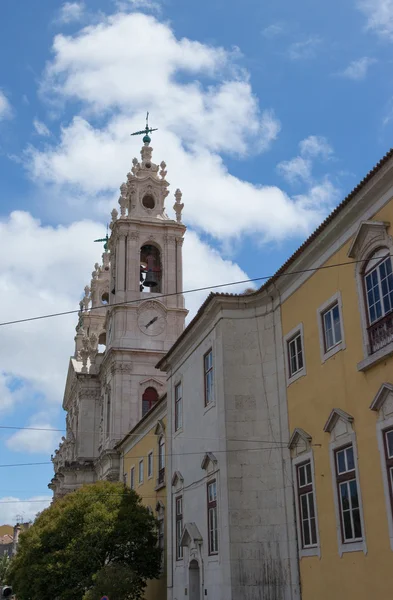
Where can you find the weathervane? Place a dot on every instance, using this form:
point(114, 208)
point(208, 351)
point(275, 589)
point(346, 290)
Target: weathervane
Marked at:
point(146, 131)
point(105, 239)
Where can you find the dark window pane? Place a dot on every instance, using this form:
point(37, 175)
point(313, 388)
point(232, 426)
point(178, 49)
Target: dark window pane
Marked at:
point(298, 344)
point(311, 505)
point(378, 309)
point(348, 535)
point(303, 500)
point(341, 461)
point(388, 265)
point(302, 479)
point(344, 496)
point(300, 360)
point(308, 472)
point(350, 459)
point(354, 493)
point(356, 523)
point(382, 270)
point(389, 443)
point(306, 533)
point(368, 283)
point(313, 531)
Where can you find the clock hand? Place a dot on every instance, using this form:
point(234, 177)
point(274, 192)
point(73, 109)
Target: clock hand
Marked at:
point(151, 322)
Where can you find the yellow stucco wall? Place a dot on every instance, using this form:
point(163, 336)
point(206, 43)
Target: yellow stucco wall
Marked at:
point(6, 529)
point(156, 589)
point(338, 384)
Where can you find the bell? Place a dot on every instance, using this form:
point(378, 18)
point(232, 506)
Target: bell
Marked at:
point(150, 279)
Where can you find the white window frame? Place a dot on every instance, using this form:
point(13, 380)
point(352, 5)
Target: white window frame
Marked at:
point(150, 457)
point(298, 330)
point(310, 550)
point(132, 477)
point(341, 442)
point(178, 547)
point(215, 508)
point(321, 311)
point(141, 472)
point(176, 425)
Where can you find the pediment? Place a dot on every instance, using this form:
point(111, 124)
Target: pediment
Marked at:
point(209, 460)
point(191, 535)
point(152, 381)
point(177, 478)
point(160, 428)
point(368, 233)
point(160, 506)
point(299, 437)
point(381, 396)
point(335, 416)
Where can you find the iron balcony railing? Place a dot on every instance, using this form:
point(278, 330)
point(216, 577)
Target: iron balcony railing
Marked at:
point(161, 476)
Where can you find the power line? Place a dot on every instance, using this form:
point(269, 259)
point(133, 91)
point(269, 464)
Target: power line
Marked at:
point(201, 289)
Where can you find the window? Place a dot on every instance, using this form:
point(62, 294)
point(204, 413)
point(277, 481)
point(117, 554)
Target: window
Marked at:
point(378, 285)
point(108, 415)
point(178, 407)
point(149, 398)
point(306, 505)
point(140, 472)
point(388, 444)
point(132, 478)
point(295, 354)
point(332, 327)
point(150, 464)
point(161, 460)
point(208, 372)
point(348, 496)
point(212, 517)
point(179, 527)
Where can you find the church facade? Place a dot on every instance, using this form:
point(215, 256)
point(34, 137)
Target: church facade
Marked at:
point(130, 315)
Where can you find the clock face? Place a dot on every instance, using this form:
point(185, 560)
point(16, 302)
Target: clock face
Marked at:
point(151, 321)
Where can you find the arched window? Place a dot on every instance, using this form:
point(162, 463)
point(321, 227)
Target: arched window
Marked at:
point(150, 269)
point(378, 286)
point(149, 399)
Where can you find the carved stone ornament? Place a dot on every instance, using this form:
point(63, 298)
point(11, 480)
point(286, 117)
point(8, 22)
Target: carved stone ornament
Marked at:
point(134, 235)
point(178, 206)
point(163, 172)
point(125, 368)
point(169, 240)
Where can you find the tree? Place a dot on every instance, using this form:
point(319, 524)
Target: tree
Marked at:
point(4, 567)
point(82, 540)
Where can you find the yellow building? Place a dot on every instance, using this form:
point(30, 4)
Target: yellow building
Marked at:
point(6, 530)
point(142, 462)
point(337, 327)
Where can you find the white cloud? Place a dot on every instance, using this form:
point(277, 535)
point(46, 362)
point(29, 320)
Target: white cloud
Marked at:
point(315, 146)
point(71, 12)
point(41, 128)
point(305, 49)
point(142, 5)
point(12, 508)
point(5, 107)
point(379, 14)
point(299, 168)
point(6, 399)
point(358, 69)
point(34, 440)
point(273, 30)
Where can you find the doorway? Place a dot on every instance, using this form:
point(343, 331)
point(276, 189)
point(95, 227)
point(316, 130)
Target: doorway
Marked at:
point(194, 581)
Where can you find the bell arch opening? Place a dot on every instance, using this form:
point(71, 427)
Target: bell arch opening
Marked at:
point(148, 201)
point(149, 398)
point(150, 269)
point(102, 342)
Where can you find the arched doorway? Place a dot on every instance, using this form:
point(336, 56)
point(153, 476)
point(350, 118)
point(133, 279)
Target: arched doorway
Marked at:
point(149, 398)
point(194, 580)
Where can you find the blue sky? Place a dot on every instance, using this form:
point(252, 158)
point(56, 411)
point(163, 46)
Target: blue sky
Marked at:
point(268, 115)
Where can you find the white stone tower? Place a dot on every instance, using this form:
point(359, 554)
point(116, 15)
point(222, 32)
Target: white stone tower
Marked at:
point(134, 312)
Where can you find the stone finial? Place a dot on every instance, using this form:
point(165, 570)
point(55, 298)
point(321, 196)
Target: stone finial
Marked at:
point(114, 215)
point(178, 206)
point(135, 166)
point(80, 317)
point(146, 153)
point(86, 298)
point(93, 348)
point(163, 172)
point(84, 353)
point(105, 261)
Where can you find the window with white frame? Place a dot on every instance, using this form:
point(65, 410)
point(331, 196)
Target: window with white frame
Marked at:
point(132, 478)
point(378, 288)
point(179, 526)
point(388, 446)
point(306, 505)
point(150, 465)
point(161, 459)
point(140, 471)
point(208, 375)
point(331, 322)
point(212, 522)
point(295, 354)
point(348, 495)
point(178, 406)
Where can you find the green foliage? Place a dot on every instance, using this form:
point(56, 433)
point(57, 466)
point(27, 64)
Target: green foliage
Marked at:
point(83, 538)
point(4, 567)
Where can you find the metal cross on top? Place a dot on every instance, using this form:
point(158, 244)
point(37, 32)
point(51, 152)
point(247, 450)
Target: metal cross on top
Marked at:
point(105, 239)
point(146, 131)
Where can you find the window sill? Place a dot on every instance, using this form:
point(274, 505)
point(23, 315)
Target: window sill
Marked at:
point(333, 351)
point(375, 358)
point(159, 486)
point(314, 551)
point(209, 407)
point(150, 477)
point(353, 547)
point(296, 376)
